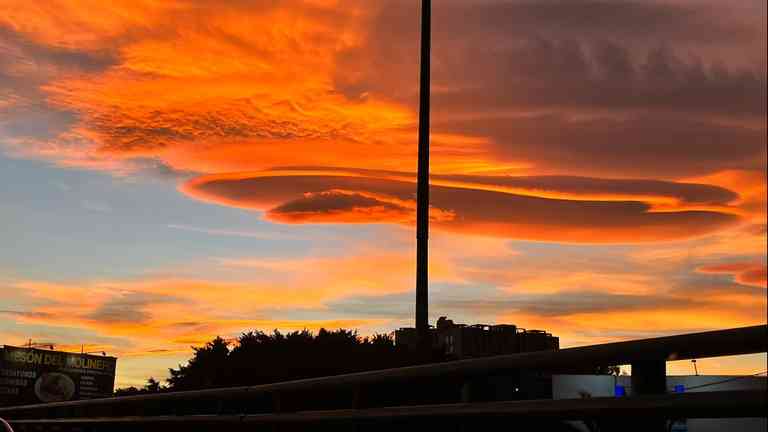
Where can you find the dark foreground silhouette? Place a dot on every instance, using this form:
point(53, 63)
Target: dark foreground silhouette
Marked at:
point(260, 358)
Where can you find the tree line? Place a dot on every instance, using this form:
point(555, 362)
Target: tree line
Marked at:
point(257, 357)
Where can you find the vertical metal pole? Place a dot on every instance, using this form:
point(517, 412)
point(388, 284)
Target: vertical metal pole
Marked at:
point(422, 192)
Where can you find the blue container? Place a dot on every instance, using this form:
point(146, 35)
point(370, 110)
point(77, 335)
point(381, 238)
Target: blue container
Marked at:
point(619, 391)
point(679, 388)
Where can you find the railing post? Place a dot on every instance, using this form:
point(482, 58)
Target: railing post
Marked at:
point(649, 378)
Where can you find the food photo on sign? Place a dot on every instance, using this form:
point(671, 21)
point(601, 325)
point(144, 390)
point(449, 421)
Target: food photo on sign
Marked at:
point(30, 375)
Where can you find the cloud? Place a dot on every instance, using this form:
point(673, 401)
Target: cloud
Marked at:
point(263, 89)
point(528, 84)
point(584, 295)
point(315, 198)
point(548, 90)
point(18, 46)
point(554, 304)
point(648, 127)
point(638, 145)
point(138, 318)
point(340, 207)
point(733, 244)
point(746, 273)
point(703, 192)
point(263, 235)
point(129, 308)
point(751, 185)
point(225, 295)
point(535, 53)
point(597, 307)
point(24, 314)
point(560, 304)
point(558, 74)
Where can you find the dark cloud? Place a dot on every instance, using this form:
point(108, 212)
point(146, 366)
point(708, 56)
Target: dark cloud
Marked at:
point(705, 288)
point(25, 314)
point(128, 308)
point(689, 193)
point(61, 58)
point(488, 303)
point(564, 303)
point(331, 201)
point(187, 324)
point(629, 88)
point(272, 191)
point(608, 88)
point(556, 54)
point(646, 145)
point(467, 210)
point(746, 273)
point(595, 18)
point(557, 304)
point(586, 186)
point(549, 74)
point(338, 206)
point(513, 216)
point(25, 66)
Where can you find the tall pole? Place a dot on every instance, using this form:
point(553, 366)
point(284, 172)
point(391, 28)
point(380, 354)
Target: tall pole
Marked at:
point(422, 192)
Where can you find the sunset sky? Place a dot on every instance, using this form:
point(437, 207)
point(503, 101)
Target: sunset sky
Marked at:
point(172, 171)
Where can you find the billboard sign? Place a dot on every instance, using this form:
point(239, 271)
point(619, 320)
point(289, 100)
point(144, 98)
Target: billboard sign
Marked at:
point(30, 375)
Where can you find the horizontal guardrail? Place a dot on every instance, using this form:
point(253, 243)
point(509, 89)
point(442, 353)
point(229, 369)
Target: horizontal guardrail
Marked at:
point(745, 340)
point(722, 404)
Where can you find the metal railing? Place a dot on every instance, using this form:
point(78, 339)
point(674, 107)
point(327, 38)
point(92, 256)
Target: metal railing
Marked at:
point(722, 404)
point(746, 340)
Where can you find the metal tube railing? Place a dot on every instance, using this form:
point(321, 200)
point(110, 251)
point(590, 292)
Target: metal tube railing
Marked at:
point(723, 404)
point(745, 340)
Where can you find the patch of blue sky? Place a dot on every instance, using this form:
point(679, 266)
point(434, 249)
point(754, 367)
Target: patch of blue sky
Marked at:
point(68, 225)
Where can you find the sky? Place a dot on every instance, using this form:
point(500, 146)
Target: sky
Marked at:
point(173, 171)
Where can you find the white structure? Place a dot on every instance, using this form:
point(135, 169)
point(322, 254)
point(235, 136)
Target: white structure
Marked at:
point(583, 386)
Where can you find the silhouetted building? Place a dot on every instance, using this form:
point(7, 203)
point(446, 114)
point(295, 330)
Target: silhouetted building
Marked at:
point(478, 340)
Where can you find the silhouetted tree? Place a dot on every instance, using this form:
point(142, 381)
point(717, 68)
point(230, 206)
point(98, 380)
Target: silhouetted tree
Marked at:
point(256, 358)
point(152, 386)
point(207, 367)
point(259, 358)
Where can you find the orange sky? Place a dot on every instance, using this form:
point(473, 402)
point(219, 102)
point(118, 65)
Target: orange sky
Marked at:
point(600, 175)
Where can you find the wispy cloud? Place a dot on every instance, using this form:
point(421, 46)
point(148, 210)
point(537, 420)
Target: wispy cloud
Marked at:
point(263, 235)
